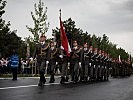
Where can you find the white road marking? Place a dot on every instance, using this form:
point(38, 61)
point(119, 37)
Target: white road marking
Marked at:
point(17, 87)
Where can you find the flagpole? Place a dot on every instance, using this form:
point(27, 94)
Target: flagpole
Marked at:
point(60, 32)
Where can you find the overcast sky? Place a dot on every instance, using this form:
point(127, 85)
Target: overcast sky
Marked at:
point(111, 17)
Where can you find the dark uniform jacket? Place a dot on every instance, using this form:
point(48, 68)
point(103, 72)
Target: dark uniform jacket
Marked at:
point(86, 56)
point(65, 57)
point(75, 56)
point(95, 58)
point(53, 54)
point(41, 52)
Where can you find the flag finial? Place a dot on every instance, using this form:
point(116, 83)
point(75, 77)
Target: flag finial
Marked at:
point(60, 12)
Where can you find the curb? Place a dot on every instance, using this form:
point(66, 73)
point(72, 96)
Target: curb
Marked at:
point(28, 78)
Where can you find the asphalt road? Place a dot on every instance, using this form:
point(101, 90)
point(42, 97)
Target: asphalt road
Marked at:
point(27, 89)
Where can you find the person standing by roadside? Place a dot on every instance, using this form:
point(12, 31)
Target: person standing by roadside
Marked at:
point(14, 63)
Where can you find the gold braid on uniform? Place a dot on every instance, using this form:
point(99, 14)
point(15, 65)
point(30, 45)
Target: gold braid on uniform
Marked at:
point(43, 49)
point(75, 55)
point(52, 54)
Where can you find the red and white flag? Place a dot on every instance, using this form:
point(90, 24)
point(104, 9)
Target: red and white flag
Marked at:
point(64, 41)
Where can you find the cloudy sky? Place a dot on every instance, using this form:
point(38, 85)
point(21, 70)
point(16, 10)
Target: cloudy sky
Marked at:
point(111, 17)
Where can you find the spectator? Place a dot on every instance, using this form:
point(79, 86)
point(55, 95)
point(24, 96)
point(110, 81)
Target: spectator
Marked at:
point(14, 63)
point(0, 67)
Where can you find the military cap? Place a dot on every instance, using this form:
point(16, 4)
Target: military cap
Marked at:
point(42, 35)
point(74, 41)
point(91, 47)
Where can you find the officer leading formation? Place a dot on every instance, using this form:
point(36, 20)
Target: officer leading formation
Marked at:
point(84, 63)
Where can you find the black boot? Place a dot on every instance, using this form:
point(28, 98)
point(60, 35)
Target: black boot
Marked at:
point(52, 79)
point(62, 80)
point(67, 78)
point(44, 80)
point(81, 79)
point(40, 83)
point(85, 79)
point(76, 79)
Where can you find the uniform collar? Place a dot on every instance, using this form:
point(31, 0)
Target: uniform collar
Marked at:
point(52, 48)
point(75, 47)
point(43, 43)
point(85, 49)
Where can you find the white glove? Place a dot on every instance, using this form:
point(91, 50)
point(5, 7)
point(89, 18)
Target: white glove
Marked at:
point(62, 47)
point(68, 63)
point(56, 63)
point(80, 64)
point(47, 62)
point(35, 59)
point(61, 56)
point(94, 66)
point(90, 64)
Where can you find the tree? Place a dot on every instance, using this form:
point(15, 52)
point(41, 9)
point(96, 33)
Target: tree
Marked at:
point(4, 28)
point(8, 39)
point(40, 21)
point(102, 43)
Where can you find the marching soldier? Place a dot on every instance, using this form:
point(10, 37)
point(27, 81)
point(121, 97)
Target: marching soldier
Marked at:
point(91, 63)
point(113, 68)
point(86, 57)
point(99, 73)
point(106, 68)
point(108, 65)
point(41, 53)
point(75, 60)
point(52, 54)
point(95, 58)
point(64, 62)
point(102, 65)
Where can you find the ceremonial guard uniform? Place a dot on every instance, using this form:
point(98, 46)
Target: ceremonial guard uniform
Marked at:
point(41, 53)
point(99, 73)
point(113, 71)
point(52, 57)
point(91, 63)
point(102, 65)
point(109, 64)
point(96, 63)
point(64, 61)
point(105, 67)
point(75, 61)
point(86, 60)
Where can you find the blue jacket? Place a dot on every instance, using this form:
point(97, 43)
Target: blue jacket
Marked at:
point(14, 61)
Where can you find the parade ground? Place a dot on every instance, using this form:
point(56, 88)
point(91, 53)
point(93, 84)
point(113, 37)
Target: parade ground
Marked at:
point(27, 89)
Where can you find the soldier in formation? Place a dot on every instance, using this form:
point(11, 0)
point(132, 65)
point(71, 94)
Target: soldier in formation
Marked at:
point(41, 54)
point(64, 62)
point(75, 61)
point(84, 64)
point(121, 68)
point(52, 56)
